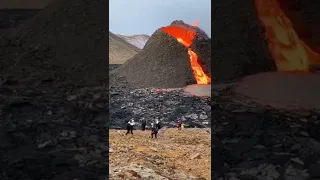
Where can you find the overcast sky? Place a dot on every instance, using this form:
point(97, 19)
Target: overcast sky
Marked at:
point(128, 17)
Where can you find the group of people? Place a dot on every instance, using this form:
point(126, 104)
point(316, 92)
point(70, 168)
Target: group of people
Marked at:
point(155, 126)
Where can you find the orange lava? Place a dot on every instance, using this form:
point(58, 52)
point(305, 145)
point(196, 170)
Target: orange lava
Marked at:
point(185, 37)
point(289, 52)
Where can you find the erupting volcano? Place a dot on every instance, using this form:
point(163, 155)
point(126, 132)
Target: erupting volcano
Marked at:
point(258, 36)
point(175, 56)
point(185, 37)
point(289, 52)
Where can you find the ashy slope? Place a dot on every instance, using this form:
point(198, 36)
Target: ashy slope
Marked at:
point(136, 40)
point(120, 50)
point(23, 4)
point(66, 42)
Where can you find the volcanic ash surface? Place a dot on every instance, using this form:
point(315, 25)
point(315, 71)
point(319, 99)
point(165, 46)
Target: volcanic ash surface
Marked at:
point(65, 42)
point(163, 63)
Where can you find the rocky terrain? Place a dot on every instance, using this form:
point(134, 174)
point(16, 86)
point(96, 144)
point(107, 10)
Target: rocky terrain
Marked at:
point(165, 104)
point(55, 106)
point(168, 157)
point(47, 129)
point(136, 40)
point(54, 96)
point(250, 141)
point(53, 134)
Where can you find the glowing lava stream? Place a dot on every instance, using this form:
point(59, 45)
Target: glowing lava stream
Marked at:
point(185, 37)
point(289, 52)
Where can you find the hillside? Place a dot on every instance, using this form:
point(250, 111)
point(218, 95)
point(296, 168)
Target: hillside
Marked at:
point(120, 50)
point(12, 18)
point(23, 4)
point(67, 38)
point(174, 155)
point(137, 40)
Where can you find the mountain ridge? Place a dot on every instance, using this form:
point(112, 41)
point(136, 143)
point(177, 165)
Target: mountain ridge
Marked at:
point(138, 40)
point(120, 50)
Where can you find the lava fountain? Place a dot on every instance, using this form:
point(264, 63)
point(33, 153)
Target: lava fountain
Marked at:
point(290, 53)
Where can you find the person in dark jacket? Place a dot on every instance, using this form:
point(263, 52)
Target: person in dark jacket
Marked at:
point(143, 125)
point(154, 130)
point(130, 125)
point(158, 124)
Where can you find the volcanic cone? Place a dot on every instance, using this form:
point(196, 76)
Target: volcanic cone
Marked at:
point(165, 61)
point(64, 42)
point(239, 45)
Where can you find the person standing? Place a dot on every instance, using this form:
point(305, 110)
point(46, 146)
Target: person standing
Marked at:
point(130, 125)
point(154, 130)
point(179, 123)
point(143, 125)
point(158, 124)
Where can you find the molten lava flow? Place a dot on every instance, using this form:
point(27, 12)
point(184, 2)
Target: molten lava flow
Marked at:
point(289, 52)
point(185, 37)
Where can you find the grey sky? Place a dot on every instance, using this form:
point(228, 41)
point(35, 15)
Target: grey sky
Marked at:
point(128, 17)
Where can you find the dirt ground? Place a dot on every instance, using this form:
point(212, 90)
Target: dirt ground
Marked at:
point(175, 152)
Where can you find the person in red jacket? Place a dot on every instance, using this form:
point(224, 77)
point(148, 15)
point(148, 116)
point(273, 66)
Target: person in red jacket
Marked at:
point(179, 123)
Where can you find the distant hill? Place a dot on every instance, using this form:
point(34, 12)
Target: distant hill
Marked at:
point(120, 50)
point(137, 40)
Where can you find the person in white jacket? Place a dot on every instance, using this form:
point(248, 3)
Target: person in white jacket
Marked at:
point(130, 125)
point(158, 124)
